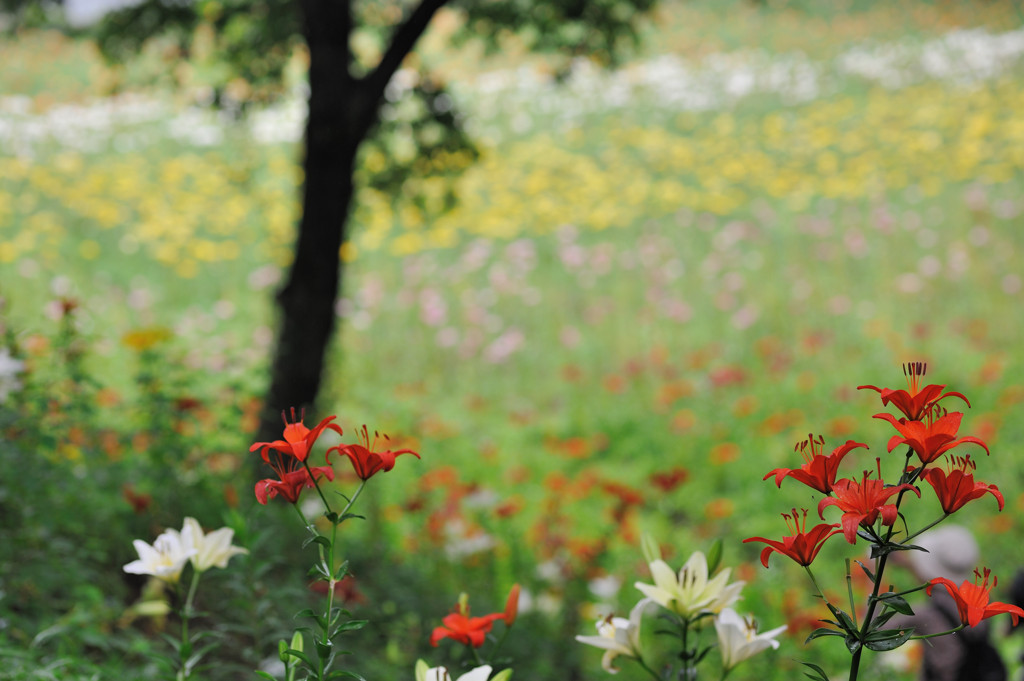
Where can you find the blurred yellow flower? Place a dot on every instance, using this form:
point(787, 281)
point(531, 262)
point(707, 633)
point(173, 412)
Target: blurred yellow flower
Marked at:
point(145, 338)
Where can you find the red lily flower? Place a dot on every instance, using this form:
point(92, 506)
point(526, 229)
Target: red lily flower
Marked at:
point(801, 546)
point(958, 487)
point(365, 460)
point(819, 472)
point(291, 482)
point(932, 439)
point(472, 631)
point(972, 600)
point(287, 461)
point(914, 402)
point(862, 503)
point(298, 439)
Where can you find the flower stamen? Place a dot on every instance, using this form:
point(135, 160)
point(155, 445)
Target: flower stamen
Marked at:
point(810, 447)
point(914, 371)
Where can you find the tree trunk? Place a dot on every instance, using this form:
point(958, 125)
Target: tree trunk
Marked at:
point(342, 111)
point(307, 300)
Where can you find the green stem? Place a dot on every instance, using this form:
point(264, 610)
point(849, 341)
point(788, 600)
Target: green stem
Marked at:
point(332, 581)
point(305, 523)
point(330, 587)
point(941, 633)
point(689, 665)
point(873, 599)
point(351, 501)
point(849, 590)
point(500, 642)
point(908, 591)
point(643, 664)
point(309, 471)
point(925, 528)
point(185, 649)
point(821, 594)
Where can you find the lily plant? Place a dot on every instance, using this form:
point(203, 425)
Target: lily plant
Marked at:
point(290, 458)
point(873, 512)
point(689, 601)
point(166, 560)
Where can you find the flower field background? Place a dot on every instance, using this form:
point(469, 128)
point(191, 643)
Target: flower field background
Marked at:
point(655, 282)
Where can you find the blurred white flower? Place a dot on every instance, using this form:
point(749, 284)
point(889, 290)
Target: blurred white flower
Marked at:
point(208, 550)
point(9, 370)
point(738, 638)
point(618, 636)
point(164, 559)
point(482, 673)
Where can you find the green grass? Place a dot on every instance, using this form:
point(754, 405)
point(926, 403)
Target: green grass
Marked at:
point(632, 292)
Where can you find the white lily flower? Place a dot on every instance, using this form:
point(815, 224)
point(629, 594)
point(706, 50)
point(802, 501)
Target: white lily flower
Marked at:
point(164, 559)
point(692, 592)
point(618, 636)
point(423, 673)
point(738, 638)
point(210, 550)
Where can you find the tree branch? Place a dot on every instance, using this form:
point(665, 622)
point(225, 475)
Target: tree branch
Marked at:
point(402, 42)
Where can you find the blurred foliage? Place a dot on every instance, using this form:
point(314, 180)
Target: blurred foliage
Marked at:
point(239, 49)
point(419, 146)
point(602, 29)
point(236, 53)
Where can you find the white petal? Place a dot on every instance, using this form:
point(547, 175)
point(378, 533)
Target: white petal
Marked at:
point(696, 569)
point(478, 674)
point(604, 643)
point(137, 567)
point(147, 554)
point(606, 662)
point(664, 577)
point(437, 674)
point(659, 596)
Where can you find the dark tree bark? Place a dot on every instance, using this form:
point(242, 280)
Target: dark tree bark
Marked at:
point(342, 111)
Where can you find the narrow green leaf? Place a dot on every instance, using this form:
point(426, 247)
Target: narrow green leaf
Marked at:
point(881, 620)
point(894, 639)
point(885, 549)
point(853, 644)
point(320, 570)
point(871, 575)
point(896, 602)
point(353, 625)
point(265, 675)
point(318, 539)
point(823, 631)
point(174, 642)
point(342, 674)
point(819, 673)
point(301, 656)
point(845, 623)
